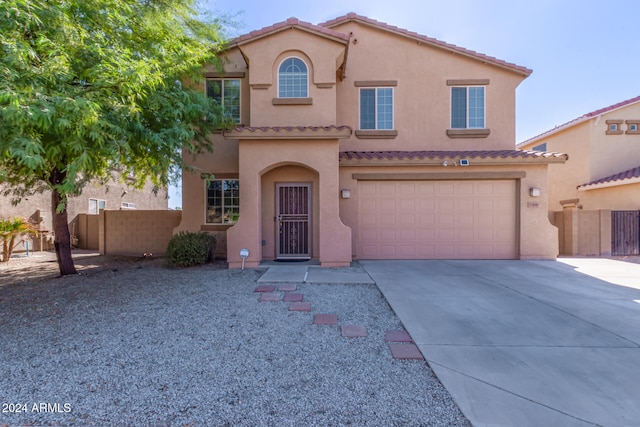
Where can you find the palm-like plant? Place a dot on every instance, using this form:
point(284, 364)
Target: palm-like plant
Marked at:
point(10, 229)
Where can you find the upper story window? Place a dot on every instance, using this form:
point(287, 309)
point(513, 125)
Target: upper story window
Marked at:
point(614, 127)
point(223, 201)
point(227, 93)
point(95, 205)
point(293, 79)
point(633, 126)
point(541, 147)
point(376, 108)
point(468, 107)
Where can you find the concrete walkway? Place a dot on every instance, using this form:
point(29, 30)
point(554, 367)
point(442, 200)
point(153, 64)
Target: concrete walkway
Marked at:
point(298, 273)
point(525, 343)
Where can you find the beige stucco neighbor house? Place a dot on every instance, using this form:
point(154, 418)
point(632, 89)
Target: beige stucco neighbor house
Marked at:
point(601, 179)
point(94, 198)
point(360, 140)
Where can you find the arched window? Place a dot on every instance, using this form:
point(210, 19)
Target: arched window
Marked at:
point(293, 79)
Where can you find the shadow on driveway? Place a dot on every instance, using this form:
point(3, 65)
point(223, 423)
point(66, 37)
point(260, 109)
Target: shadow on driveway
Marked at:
point(525, 343)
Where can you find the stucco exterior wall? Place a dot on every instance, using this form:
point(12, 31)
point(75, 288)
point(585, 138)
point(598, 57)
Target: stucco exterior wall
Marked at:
point(594, 154)
point(136, 233)
point(38, 208)
point(614, 153)
point(257, 159)
point(320, 56)
point(422, 97)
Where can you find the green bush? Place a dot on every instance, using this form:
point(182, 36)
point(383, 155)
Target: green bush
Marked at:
point(187, 249)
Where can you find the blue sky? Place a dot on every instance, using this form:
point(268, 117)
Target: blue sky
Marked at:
point(583, 53)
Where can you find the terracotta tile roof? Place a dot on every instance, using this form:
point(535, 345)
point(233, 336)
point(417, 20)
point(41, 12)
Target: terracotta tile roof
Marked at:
point(429, 40)
point(581, 119)
point(619, 178)
point(289, 128)
point(482, 154)
point(289, 23)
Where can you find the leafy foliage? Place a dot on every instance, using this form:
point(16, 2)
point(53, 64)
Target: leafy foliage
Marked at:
point(188, 249)
point(90, 90)
point(10, 229)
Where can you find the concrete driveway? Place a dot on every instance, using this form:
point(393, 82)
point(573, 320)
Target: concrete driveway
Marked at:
point(525, 343)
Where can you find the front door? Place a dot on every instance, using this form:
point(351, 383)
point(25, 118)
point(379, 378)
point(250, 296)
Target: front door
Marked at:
point(293, 228)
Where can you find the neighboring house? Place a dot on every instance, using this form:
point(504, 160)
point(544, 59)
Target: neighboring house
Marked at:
point(114, 196)
point(602, 175)
point(360, 140)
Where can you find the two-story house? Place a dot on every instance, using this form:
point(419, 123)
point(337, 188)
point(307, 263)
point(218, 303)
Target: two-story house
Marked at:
point(595, 197)
point(360, 140)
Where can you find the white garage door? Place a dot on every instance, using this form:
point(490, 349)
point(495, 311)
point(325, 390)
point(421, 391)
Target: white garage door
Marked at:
point(437, 219)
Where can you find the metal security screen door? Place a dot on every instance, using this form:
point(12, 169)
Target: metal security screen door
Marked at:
point(293, 210)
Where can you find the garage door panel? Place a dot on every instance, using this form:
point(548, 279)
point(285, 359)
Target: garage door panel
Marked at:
point(408, 235)
point(406, 220)
point(437, 219)
point(368, 220)
point(387, 236)
point(444, 188)
point(368, 205)
point(464, 188)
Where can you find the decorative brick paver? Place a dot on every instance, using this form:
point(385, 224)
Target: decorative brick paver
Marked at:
point(405, 352)
point(397, 336)
point(269, 297)
point(293, 297)
point(288, 287)
point(325, 319)
point(300, 306)
point(265, 288)
point(353, 331)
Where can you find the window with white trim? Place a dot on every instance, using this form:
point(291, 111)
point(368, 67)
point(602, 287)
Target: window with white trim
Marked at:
point(226, 92)
point(293, 79)
point(95, 205)
point(223, 201)
point(376, 108)
point(467, 107)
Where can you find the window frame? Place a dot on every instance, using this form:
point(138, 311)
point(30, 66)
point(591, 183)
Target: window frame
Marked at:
point(222, 81)
point(468, 107)
point(306, 76)
point(223, 208)
point(376, 108)
point(99, 202)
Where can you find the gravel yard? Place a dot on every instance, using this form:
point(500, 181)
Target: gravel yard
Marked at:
point(134, 343)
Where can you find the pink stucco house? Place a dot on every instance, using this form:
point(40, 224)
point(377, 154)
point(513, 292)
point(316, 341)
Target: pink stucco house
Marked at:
point(360, 140)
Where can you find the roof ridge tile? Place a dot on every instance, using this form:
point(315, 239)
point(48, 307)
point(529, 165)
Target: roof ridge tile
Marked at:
point(354, 16)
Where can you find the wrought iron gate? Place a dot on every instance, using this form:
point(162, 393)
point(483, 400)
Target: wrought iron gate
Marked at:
point(625, 232)
point(293, 212)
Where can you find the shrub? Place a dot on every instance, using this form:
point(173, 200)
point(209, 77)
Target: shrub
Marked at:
point(187, 249)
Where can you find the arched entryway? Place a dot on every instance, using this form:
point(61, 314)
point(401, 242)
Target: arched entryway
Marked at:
point(289, 210)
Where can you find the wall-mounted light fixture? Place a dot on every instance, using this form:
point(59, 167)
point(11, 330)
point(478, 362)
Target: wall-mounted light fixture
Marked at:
point(345, 193)
point(534, 192)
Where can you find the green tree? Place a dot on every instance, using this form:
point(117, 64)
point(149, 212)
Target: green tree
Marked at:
point(10, 229)
point(90, 90)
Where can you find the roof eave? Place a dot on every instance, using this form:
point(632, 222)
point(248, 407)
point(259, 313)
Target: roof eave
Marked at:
point(616, 183)
point(448, 159)
point(283, 26)
point(523, 71)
